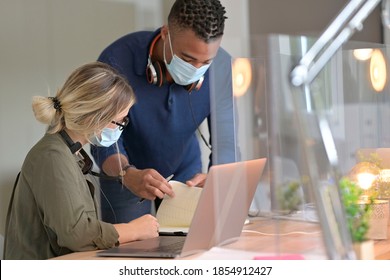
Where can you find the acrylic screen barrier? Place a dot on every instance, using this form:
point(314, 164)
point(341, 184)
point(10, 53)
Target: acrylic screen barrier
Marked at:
point(312, 134)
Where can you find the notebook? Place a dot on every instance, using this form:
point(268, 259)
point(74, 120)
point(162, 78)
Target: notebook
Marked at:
point(175, 214)
point(218, 219)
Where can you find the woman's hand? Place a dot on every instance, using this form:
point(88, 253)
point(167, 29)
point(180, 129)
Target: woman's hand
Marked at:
point(141, 228)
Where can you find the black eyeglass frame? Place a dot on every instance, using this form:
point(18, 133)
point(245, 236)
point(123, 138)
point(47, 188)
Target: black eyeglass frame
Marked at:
point(124, 123)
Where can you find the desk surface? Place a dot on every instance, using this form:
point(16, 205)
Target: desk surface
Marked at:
point(269, 236)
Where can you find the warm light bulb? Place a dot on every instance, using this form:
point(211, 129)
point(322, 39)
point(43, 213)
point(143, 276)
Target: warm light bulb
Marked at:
point(239, 80)
point(364, 174)
point(365, 180)
point(378, 73)
point(242, 76)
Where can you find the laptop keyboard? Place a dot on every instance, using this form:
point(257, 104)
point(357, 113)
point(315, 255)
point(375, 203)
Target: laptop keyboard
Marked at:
point(174, 247)
point(169, 250)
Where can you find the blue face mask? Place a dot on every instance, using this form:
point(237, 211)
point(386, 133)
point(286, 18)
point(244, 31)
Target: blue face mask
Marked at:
point(108, 137)
point(182, 72)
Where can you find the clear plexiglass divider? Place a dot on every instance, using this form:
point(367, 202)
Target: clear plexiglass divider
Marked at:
point(311, 135)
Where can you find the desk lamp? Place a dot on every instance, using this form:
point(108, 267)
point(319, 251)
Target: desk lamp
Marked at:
point(349, 20)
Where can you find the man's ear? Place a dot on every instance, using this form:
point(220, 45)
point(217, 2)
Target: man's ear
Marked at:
point(164, 32)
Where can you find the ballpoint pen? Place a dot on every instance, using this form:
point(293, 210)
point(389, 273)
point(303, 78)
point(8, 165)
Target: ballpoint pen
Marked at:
point(168, 179)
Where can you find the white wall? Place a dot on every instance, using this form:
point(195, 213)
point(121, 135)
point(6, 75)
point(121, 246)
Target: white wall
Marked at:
point(42, 41)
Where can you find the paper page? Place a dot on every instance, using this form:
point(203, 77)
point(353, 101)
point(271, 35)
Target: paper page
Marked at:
point(175, 214)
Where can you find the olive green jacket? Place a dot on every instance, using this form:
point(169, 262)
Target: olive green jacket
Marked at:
point(54, 212)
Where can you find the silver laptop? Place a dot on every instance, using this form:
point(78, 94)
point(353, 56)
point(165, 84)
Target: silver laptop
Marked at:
point(218, 219)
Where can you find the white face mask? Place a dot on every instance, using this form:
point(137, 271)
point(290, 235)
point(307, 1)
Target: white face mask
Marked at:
point(108, 137)
point(182, 72)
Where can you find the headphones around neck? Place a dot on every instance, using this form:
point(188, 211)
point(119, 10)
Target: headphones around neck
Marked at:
point(156, 73)
point(86, 168)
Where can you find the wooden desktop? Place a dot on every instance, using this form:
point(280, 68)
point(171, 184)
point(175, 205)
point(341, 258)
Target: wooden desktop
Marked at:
point(270, 237)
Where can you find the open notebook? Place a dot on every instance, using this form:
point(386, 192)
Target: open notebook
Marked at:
point(218, 219)
point(175, 214)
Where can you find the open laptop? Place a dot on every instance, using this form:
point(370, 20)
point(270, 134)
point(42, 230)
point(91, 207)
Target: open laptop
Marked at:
point(218, 219)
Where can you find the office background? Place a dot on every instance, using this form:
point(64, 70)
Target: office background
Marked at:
point(42, 41)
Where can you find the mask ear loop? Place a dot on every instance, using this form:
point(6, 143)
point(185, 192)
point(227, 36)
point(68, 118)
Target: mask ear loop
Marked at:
point(170, 43)
point(165, 59)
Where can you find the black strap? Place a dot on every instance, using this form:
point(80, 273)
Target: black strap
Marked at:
point(9, 213)
point(74, 147)
point(87, 168)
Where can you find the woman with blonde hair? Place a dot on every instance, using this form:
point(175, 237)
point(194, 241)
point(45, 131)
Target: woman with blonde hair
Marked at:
point(53, 209)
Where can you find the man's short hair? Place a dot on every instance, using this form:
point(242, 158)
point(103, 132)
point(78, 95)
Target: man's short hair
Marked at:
point(205, 17)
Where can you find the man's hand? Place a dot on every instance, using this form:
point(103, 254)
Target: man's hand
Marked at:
point(198, 180)
point(147, 183)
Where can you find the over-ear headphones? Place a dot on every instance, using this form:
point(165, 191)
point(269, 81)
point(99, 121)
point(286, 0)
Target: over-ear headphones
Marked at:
point(74, 147)
point(87, 162)
point(156, 73)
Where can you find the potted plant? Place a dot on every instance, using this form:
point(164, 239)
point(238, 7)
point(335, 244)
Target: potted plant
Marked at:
point(289, 197)
point(358, 207)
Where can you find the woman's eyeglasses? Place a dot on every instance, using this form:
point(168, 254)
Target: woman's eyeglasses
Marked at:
point(123, 124)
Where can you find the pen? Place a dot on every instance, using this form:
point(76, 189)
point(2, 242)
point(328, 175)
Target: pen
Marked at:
point(168, 179)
